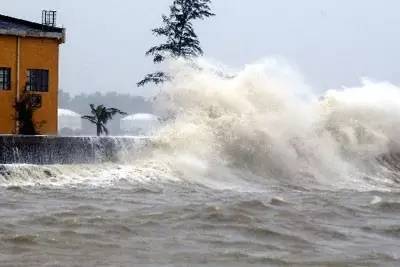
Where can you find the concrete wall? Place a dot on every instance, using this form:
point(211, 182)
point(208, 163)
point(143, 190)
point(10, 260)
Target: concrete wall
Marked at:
point(67, 150)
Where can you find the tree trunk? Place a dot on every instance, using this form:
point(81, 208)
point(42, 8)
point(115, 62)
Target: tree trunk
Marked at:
point(98, 129)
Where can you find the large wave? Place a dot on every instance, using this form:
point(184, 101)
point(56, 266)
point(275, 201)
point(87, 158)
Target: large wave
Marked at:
point(264, 125)
point(264, 120)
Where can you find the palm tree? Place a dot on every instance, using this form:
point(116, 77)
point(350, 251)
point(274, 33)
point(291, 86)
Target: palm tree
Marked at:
point(100, 116)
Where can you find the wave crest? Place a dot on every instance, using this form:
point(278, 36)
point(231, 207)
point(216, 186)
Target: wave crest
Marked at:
point(266, 120)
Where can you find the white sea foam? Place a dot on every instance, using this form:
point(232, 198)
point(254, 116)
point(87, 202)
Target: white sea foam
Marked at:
point(266, 120)
point(262, 123)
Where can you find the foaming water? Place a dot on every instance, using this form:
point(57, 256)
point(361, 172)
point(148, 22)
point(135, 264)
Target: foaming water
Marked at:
point(249, 168)
point(265, 120)
point(228, 131)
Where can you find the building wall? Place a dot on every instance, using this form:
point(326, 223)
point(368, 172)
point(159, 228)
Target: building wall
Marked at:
point(38, 53)
point(8, 58)
point(35, 53)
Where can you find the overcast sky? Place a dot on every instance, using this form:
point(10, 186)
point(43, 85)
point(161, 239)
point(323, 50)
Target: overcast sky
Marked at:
point(332, 42)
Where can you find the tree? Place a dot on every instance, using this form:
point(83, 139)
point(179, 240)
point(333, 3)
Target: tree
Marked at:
point(181, 39)
point(100, 116)
point(25, 108)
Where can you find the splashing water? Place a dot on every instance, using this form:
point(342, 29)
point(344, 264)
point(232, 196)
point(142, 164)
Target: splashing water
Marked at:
point(265, 120)
point(250, 168)
point(264, 124)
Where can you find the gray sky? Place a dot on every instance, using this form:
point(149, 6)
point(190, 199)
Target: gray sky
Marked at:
point(332, 42)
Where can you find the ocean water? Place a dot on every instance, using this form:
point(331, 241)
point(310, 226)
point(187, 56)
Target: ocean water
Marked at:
point(251, 169)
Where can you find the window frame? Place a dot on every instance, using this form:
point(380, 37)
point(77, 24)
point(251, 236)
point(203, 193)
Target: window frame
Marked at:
point(37, 80)
point(5, 79)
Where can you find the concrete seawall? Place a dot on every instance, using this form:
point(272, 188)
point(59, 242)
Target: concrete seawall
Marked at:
point(66, 150)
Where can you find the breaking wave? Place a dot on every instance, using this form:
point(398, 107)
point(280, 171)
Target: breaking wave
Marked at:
point(266, 121)
point(263, 126)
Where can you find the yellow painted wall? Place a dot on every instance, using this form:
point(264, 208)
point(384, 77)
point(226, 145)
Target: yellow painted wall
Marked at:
point(35, 53)
point(8, 59)
point(40, 53)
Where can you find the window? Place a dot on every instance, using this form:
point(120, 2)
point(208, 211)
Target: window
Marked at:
point(5, 78)
point(37, 80)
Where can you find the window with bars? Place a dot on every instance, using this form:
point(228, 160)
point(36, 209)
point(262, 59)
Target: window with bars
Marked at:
point(37, 80)
point(5, 78)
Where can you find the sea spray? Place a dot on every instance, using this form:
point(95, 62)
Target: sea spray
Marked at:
point(265, 120)
point(249, 169)
point(255, 128)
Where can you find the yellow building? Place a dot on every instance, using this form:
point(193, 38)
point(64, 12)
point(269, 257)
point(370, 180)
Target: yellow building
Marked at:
point(29, 59)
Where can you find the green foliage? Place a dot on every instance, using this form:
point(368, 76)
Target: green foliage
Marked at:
point(127, 102)
point(24, 110)
point(157, 78)
point(100, 116)
point(181, 39)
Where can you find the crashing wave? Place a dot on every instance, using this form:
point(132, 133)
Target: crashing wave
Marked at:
point(264, 125)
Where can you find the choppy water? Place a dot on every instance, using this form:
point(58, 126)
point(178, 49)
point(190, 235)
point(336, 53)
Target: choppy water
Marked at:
point(173, 223)
point(249, 170)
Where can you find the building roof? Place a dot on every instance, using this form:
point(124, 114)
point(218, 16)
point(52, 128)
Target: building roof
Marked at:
point(23, 28)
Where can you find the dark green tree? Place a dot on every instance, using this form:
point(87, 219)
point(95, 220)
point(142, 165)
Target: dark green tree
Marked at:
point(181, 39)
point(100, 116)
point(25, 109)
